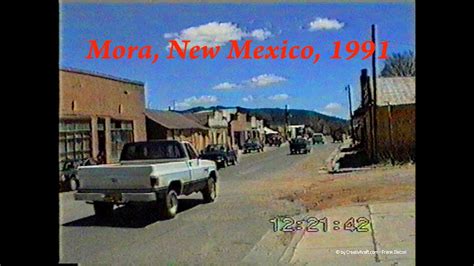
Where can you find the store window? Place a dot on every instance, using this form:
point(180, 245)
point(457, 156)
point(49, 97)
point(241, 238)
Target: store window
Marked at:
point(74, 140)
point(122, 133)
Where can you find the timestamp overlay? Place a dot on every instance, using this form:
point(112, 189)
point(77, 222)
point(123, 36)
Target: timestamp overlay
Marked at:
point(322, 224)
point(361, 235)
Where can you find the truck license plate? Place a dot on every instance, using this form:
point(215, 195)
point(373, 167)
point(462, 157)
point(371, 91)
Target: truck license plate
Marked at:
point(114, 197)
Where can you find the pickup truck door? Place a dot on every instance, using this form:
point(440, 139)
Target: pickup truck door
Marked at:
point(197, 171)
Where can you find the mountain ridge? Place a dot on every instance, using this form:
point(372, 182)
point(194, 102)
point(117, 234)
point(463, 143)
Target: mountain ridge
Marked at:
point(274, 117)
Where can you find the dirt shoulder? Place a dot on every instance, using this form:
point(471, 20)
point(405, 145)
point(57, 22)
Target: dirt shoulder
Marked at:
point(308, 185)
point(389, 184)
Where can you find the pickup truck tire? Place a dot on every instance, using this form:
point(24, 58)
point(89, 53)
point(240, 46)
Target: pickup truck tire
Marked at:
point(73, 184)
point(103, 210)
point(210, 192)
point(169, 206)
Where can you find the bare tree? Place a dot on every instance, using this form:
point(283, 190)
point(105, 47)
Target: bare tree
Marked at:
point(400, 65)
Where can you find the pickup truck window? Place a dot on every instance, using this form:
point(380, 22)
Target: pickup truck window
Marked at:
point(152, 151)
point(192, 154)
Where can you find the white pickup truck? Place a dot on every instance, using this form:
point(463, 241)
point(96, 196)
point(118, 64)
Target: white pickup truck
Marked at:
point(154, 172)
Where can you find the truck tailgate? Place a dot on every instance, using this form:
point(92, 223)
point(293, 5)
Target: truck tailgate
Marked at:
point(115, 176)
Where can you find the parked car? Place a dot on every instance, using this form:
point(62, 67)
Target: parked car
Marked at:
point(253, 145)
point(274, 140)
point(300, 145)
point(221, 154)
point(149, 172)
point(337, 136)
point(68, 173)
point(318, 138)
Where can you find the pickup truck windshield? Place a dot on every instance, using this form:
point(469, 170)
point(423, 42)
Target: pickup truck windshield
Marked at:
point(152, 151)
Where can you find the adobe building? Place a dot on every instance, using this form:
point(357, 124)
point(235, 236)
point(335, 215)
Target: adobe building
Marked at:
point(98, 113)
point(393, 135)
point(175, 126)
point(240, 129)
point(217, 124)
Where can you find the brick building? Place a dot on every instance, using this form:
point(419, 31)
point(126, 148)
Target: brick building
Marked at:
point(98, 113)
point(393, 135)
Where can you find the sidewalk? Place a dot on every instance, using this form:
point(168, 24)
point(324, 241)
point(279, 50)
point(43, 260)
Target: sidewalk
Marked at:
point(390, 239)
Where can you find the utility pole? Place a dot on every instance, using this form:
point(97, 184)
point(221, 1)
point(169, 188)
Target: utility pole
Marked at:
point(348, 89)
point(374, 83)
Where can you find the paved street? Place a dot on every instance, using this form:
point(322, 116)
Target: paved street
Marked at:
point(223, 232)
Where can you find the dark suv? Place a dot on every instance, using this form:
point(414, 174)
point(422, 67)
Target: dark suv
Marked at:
point(221, 154)
point(300, 145)
point(253, 145)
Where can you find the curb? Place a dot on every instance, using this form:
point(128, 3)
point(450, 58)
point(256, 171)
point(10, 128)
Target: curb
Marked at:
point(260, 255)
point(331, 161)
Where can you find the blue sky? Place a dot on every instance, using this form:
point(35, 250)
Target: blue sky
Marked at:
point(248, 83)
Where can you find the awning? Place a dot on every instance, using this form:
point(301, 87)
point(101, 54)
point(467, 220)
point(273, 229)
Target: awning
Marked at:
point(269, 131)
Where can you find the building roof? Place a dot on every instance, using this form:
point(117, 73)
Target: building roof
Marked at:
point(396, 91)
point(100, 75)
point(200, 118)
point(172, 120)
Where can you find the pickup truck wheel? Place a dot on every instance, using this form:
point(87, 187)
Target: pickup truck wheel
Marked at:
point(210, 192)
point(73, 184)
point(103, 209)
point(169, 206)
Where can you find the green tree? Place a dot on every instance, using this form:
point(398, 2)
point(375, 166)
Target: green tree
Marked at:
point(400, 65)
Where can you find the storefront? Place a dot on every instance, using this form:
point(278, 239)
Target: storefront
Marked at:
point(98, 115)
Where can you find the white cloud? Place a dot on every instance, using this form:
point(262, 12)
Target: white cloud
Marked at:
point(325, 24)
point(248, 98)
point(170, 35)
point(333, 109)
point(217, 33)
point(196, 101)
point(265, 80)
point(261, 34)
point(279, 97)
point(226, 86)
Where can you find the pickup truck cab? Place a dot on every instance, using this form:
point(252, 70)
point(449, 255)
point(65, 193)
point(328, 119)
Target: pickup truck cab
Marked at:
point(155, 172)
